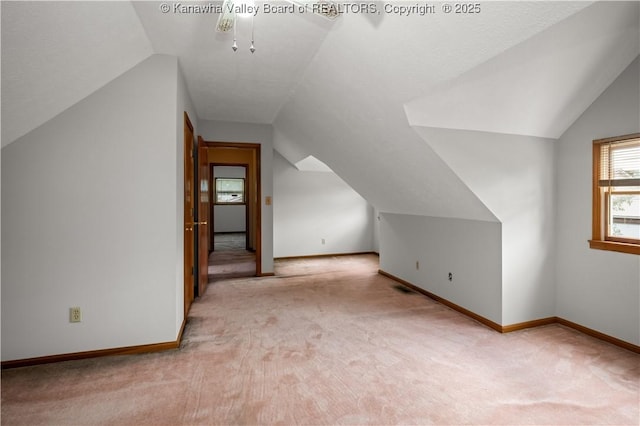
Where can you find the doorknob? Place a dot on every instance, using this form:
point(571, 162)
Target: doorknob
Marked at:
point(196, 223)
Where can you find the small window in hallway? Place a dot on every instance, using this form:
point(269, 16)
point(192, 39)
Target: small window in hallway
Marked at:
point(229, 191)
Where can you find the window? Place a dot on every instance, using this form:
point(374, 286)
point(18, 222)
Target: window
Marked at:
point(229, 191)
point(616, 194)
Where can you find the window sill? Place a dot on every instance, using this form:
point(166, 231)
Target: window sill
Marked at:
point(615, 246)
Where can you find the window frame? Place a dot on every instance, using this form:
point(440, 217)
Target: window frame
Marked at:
point(600, 213)
point(226, 203)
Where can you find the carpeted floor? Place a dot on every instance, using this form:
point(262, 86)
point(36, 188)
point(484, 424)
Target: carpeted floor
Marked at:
point(230, 241)
point(329, 341)
point(230, 259)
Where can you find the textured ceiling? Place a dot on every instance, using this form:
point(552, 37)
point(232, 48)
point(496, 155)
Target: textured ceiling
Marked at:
point(236, 86)
point(54, 54)
point(345, 92)
point(348, 110)
point(541, 86)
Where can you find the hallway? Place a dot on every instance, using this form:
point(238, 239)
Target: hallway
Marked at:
point(230, 259)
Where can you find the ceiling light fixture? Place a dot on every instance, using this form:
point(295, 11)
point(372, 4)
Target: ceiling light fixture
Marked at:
point(226, 20)
point(231, 10)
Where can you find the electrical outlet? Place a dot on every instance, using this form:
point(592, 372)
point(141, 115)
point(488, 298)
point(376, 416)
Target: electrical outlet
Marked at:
point(323, 241)
point(417, 265)
point(75, 315)
point(450, 276)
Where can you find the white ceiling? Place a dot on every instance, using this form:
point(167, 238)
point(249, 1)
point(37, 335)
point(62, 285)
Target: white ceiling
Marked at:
point(540, 86)
point(55, 54)
point(345, 92)
point(312, 164)
point(236, 86)
point(348, 110)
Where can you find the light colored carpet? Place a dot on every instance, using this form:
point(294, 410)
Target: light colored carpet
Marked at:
point(230, 259)
point(230, 241)
point(329, 341)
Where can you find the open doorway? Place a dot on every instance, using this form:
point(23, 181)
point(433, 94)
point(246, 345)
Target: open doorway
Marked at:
point(233, 171)
point(232, 255)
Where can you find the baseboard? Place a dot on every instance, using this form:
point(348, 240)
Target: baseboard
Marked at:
point(157, 347)
point(598, 335)
point(266, 274)
point(529, 324)
point(313, 256)
point(445, 302)
point(519, 326)
point(128, 350)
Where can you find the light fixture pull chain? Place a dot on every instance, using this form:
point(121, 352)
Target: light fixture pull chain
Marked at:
point(235, 44)
point(252, 48)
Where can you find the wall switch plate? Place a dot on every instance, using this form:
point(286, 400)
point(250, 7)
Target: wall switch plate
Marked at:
point(75, 314)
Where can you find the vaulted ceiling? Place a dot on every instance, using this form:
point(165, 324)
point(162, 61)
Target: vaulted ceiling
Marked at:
point(55, 54)
point(346, 92)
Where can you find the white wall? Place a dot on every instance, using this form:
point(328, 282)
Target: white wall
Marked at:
point(222, 131)
point(312, 206)
point(514, 176)
point(229, 218)
point(595, 288)
point(469, 249)
point(90, 219)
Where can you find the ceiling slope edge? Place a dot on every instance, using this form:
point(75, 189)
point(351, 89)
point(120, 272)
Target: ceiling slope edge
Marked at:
point(55, 54)
point(541, 86)
point(412, 181)
point(508, 173)
point(364, 136)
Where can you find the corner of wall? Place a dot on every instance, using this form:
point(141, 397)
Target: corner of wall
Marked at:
point(77, 196)
point(596, 289)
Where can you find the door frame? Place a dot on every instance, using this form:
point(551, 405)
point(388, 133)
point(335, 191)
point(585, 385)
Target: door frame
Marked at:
point(212, 203)
point(255, 149)
point(203, 211)
point(189, 264)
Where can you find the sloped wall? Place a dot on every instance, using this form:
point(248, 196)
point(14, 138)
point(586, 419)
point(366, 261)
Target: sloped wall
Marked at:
point(514, 176)
point(56, 53)
point(310, 207)
point(595, 288)
point(90, 219)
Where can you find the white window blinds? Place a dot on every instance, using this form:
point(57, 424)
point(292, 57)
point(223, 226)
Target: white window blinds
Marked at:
point(620, 163)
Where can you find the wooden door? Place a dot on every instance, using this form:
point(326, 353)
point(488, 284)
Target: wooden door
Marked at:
point(204, 219)
point(189, 200)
